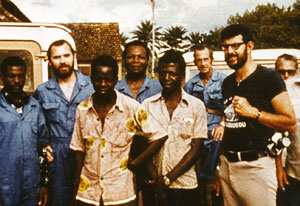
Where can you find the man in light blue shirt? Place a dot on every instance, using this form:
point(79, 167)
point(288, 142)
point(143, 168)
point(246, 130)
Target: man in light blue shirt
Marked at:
point(59, 98)
point(207, 86)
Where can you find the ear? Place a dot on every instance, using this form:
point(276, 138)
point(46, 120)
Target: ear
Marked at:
point(250, 45)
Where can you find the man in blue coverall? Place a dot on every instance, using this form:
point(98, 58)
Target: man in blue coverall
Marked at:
point(137, 85)
point(59, 98)
point(23, 130)
point(207, 86)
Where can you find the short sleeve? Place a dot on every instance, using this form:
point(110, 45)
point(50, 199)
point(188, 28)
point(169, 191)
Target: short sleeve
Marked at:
point(273, 84)
point(200, 123)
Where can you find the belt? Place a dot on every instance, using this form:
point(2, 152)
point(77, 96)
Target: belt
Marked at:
point(250, 155)
point(214, 111)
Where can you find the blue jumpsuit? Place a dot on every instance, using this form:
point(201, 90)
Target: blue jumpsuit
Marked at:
point(20, 136)
point(60, 117)
point(211, 95)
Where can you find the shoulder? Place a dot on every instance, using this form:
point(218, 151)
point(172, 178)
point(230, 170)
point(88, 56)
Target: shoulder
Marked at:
point(151, 100)
point(219, 75)
point(193, 101)
point(120, 83)
point(127, 102)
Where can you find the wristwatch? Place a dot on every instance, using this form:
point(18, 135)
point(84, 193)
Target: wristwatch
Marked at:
point(222, 123)
point(167, 181)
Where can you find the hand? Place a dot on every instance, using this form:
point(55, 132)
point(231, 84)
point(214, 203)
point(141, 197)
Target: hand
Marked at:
point(243, 108)
point(131, 164)
point(161, 191)
point(281, 177)
point(43, 196)
point(218, 132)
point(217, 187)
point(49, 151)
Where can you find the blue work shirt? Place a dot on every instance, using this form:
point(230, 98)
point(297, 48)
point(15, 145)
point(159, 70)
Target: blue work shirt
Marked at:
point(211, 95)
point(60, 117)
point(20, 136)
point(149, 88)
point(59, 112)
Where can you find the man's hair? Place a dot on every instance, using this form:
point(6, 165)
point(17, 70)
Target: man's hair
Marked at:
point(201, 47)
point(12, 61)
point(286, 57)
point(58, 43)
point(105, 60)
point(172, 56)
point(136, 43)
point(236, 29)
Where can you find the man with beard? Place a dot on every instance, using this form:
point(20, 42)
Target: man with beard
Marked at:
point(59, 98)
point(207, 86)
point(102, 138)
point(22, 132)
point(256, 103)
point(137, 85)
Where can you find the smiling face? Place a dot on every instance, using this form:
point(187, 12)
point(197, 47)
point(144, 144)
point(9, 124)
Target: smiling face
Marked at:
point(103, 80)
point(170, 78)
point(62, 60)
point(235, 51)
point(14, 79)
point(136, 60)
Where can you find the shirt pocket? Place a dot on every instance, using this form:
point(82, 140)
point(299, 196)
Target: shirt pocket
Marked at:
point(51, 111)
point(215, 96)
point(184, 127)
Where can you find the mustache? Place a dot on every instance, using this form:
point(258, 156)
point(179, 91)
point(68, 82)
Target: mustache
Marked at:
point(231, 55)
point(64, 65)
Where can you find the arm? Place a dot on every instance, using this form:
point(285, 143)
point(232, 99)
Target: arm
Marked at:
point(79, 159)
point(280, 173)
point(284, 119)
point(218, 132)
point(151, 149)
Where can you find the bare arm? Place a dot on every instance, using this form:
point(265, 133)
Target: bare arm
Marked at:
point(284, 119)
point(79, 159)
point(151, 149)
point(187, 161)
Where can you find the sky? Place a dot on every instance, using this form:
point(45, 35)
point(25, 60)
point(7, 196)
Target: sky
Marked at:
point(195, 15)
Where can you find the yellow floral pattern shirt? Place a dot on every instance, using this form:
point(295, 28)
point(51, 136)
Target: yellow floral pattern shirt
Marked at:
point(105, 172)
point(188, 122)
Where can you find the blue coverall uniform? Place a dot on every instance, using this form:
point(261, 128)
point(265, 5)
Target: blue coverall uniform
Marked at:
point(20, 138)
point(60, 117)
point(211, 95)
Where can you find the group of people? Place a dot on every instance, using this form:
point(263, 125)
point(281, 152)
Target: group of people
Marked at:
point(83, 140)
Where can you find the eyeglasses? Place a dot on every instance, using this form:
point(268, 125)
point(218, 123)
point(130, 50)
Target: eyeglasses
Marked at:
point(234, 46)
point(290, 72)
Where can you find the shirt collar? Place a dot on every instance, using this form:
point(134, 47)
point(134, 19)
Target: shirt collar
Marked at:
point(52, 83)
point(184, 97)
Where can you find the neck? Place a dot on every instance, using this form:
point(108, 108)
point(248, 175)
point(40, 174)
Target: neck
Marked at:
point(206, 76)
point(173, 95)
point(103, 100)
point(135, 77)
point(246, 70)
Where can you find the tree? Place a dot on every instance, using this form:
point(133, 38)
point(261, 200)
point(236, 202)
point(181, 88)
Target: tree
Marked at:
point(173, 38)
point(144, 34)
point(195, 38)
point(123, 39)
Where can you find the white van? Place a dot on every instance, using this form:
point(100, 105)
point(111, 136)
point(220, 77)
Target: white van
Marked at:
point(264, 57)
point(31, 41)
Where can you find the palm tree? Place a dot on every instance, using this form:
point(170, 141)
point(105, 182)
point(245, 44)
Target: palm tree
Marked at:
point(123, 39)
point(173, 38)
point(195, 38)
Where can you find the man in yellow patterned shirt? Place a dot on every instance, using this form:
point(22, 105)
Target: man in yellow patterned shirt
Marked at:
point(102, 138)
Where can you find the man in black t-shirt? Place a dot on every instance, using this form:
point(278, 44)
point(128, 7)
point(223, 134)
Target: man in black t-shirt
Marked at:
point(256, 103)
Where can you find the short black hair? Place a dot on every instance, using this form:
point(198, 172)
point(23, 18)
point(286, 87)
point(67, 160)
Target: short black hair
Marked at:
point(136, 43)
point(172, 56)
point(201, 47)
point(105, 60)
point(58, 43)
point(236, 29)
point(286, 57)
point(12, 61)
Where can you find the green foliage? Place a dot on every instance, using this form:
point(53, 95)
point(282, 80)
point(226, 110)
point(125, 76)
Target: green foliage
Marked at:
point(174, 37)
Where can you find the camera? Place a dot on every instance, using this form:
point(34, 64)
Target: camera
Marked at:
point(277, 143)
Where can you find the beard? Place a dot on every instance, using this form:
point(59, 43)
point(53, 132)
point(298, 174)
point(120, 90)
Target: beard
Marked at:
point(64, 74)
point(241, 60)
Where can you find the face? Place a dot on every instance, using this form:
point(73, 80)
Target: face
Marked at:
point(136, 60)
point(235, 51)
point(170, 77)
point(14, 79)
point(62, 60)
point(203, 60)
point(286, 68)
point(104, 80)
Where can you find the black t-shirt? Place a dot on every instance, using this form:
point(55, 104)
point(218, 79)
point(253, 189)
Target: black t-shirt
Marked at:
point(259, 88)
